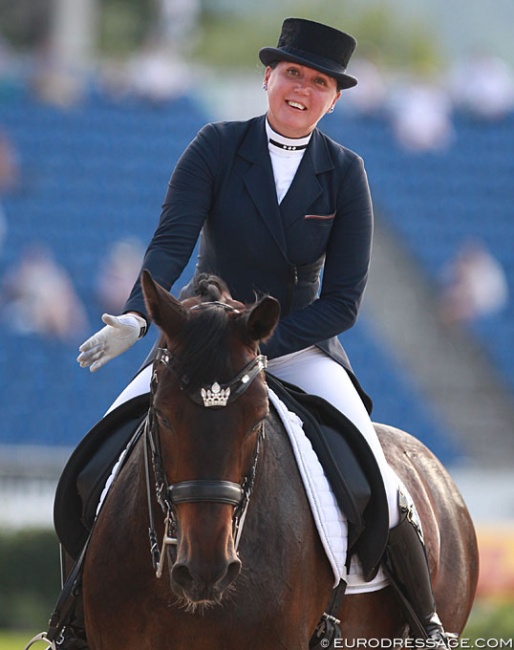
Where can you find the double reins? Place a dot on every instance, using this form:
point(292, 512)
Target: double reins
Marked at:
point(168, 494)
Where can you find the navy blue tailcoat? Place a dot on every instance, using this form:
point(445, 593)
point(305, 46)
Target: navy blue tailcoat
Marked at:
point(311, 251)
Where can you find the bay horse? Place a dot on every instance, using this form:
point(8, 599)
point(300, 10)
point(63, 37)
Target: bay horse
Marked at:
point(239, 572)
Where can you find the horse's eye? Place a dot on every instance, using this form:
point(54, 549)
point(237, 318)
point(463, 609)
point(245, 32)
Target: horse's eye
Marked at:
point(163, 420)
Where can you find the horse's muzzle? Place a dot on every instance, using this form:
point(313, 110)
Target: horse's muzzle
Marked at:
point(206, 564)
point(204, 587)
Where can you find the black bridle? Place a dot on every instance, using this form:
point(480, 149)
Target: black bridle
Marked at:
point(217, 395)
point(197, 491)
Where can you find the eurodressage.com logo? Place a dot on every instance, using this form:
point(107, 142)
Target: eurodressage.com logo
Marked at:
point(418, 644)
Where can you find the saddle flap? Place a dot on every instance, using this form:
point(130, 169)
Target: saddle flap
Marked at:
point(87, 470)
point(350, 475)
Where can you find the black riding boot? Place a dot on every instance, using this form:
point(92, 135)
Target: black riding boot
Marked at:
point(73, 636)
point(406, 559)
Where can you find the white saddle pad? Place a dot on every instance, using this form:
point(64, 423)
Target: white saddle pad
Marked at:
point(330, 521)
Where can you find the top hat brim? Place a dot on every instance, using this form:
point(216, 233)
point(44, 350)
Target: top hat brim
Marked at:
point(270, 55)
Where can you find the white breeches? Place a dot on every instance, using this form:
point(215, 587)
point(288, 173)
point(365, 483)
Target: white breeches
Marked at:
point(138, 386)
point(316, 373)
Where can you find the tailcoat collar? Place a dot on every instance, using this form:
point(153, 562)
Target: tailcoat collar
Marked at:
point(255, 144)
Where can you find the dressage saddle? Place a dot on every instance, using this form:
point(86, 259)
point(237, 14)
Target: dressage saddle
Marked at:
point(348, 462)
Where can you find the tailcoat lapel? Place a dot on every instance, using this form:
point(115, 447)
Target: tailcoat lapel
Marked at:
point(306, 186)
point(259, 181)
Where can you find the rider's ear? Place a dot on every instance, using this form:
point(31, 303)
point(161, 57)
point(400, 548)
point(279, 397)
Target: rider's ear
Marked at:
point(263, 318)
point(163, 308)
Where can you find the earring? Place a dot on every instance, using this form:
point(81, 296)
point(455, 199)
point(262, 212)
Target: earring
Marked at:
point(331, 109)
point(264, 86)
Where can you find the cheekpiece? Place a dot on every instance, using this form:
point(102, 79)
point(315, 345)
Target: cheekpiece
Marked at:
point(215, 395)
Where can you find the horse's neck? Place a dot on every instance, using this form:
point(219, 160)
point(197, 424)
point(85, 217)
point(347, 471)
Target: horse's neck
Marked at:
point(278, 482)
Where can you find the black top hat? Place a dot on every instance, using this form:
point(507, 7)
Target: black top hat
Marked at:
point(315, 45)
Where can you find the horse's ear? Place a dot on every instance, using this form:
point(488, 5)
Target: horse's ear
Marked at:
point(263, 318)
point(163, 308)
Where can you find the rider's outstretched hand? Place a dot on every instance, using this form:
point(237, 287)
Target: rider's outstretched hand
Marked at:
point(118, 335)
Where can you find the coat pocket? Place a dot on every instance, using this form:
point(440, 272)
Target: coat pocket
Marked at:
point(320, 217)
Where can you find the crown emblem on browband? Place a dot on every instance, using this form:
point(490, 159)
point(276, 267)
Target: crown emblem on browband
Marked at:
point(215, 395)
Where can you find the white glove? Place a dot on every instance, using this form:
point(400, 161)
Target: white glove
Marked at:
point(119, 334)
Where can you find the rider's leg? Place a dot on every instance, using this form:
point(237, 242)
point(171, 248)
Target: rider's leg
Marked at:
point(406, 558)
point(316, 373)
point(138, 386)
point(74, 634)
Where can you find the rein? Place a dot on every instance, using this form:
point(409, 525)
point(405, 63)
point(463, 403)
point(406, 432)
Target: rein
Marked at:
point(168, 495)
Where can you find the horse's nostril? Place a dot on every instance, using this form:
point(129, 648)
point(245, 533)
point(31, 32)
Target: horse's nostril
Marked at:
point(181, 575)
point(233, 571)
point(202, 587)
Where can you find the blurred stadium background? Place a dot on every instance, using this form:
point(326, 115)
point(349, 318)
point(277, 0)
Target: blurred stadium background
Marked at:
point(97, 102)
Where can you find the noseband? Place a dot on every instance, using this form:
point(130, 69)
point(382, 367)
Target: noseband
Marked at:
point(197, 491)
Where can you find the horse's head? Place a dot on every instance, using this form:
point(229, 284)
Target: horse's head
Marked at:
point(210, 402)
